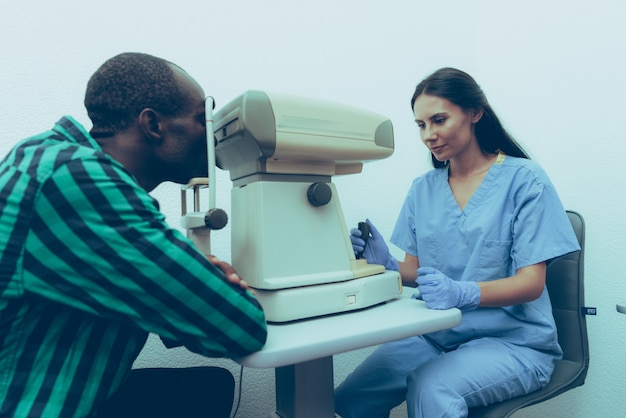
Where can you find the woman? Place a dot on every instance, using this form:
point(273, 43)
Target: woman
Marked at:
point(478, 231)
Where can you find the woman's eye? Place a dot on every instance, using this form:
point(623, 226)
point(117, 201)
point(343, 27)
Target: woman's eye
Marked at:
point(440, 121)
point(421, 125)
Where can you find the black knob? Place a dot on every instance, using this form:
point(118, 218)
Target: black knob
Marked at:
point(319, 194)
point(215, 219)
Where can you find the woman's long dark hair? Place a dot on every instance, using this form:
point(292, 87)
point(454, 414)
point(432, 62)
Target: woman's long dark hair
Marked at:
point(461, 89)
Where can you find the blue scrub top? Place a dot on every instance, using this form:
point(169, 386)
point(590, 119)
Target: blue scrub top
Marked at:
point(514, 219)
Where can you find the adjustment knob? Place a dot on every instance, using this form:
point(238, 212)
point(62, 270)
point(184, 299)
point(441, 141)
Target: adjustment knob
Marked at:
point(215, 219)
point(319, 194)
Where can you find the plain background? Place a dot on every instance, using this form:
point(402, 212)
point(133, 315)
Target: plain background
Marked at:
point(552, 70)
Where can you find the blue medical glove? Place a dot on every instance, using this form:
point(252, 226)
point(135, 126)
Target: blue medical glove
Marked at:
point(441, 292)
point(376, 251)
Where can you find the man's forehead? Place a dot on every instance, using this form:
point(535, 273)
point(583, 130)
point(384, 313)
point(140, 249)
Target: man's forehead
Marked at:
point(187, 84)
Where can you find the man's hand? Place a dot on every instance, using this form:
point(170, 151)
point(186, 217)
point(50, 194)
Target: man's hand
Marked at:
point(230, 273)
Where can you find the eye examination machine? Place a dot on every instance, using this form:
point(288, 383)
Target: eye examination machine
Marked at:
point(289, 238)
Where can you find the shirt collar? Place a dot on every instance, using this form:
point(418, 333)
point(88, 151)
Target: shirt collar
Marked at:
point(69, 129)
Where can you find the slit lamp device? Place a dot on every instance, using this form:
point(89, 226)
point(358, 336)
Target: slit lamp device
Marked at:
point(289, 238)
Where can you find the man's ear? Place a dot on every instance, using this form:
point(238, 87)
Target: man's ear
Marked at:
point(150, 125)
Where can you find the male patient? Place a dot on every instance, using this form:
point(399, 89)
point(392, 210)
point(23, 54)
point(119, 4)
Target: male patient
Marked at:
point(88, 265)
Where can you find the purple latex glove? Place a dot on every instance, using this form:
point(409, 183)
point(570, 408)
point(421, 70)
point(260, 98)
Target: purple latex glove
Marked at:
point(441, 292)
point(376, 250)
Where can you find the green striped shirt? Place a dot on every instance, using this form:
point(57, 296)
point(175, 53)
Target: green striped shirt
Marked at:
point(88, 267)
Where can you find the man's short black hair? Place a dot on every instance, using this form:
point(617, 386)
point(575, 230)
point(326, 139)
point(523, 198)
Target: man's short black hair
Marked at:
point(125, 85)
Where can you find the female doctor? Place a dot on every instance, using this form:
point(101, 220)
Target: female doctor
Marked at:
point(478, 231)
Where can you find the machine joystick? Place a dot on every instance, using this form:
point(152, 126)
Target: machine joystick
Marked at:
point(215, 219)
point(364, 227)
point(319, 194)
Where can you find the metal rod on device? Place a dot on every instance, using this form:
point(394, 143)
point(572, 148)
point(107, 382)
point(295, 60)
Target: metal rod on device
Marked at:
point(209, 104)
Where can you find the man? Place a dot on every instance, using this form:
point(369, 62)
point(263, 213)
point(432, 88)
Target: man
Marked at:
point(88, 265)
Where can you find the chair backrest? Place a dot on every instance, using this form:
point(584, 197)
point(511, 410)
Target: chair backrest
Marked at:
point(565, 282)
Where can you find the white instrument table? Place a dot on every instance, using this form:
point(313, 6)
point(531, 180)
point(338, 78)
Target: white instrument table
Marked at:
point(302, 351)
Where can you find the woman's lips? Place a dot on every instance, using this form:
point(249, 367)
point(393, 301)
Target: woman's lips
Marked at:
point(437, 149)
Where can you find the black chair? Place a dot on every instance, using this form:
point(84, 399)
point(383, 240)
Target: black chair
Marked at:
point(565, 282)
point(194, 392)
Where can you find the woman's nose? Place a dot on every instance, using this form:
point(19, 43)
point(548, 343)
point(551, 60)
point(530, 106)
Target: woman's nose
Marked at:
point(428, 134)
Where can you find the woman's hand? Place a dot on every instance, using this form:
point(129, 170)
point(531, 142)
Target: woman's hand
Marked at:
point(441, 292)
point(376, 250)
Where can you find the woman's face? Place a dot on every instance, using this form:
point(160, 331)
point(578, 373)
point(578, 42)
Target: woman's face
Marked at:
point(445, 128)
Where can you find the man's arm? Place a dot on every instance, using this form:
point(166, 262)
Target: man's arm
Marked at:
point(109, 253)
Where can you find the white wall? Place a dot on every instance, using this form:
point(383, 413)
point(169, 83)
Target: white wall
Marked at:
point(552, 70)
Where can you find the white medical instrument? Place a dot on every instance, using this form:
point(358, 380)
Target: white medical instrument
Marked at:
point(289, 238)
